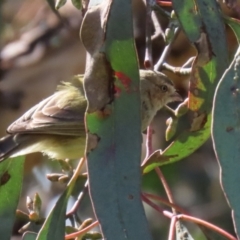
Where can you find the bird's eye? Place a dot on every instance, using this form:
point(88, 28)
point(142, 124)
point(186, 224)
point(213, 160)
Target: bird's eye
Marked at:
point(164, 88)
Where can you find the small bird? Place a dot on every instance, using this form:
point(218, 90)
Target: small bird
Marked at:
point(55, 126)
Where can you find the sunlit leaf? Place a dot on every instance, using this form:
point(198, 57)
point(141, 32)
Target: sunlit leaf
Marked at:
point(11, 176)
point(202, 23)
point(113, 166)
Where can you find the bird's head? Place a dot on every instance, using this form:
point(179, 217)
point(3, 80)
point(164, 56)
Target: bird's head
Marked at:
point(158, 89)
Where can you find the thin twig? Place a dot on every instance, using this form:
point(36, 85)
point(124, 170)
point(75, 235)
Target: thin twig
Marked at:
point(149, 148)
point(158, 65)
point(158, 31)
point(170, 111)
point(152, 204)
point(189, 62)
point(164, 201)
point(185, 69)
point(176, 70)
point(171, 235)
point(166, 187)
point(188, 218)
point(201, 222)
point(148, 63)
point(81, 232)
point(77, 172)
point(78, 201)
point(157, 8)
point(170, 198)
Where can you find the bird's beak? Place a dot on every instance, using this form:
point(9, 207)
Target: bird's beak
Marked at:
point(176, 97)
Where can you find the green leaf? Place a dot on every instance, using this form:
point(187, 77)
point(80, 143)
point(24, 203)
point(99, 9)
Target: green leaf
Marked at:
point(235, 26)
point(114, 165)
point(11, 176)
point(226, 135)
point(199, 19)
point(29, 236)
point(54, 226)
point(77, 3)
point(60, 3)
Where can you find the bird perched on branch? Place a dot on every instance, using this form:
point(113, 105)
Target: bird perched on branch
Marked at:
point(55, 126)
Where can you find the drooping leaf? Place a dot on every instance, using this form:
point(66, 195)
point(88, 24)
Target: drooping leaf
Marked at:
point(226, 135)
point(11, 176)
point(203, 25)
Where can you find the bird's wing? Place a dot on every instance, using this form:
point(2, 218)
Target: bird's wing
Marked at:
point(61, 114)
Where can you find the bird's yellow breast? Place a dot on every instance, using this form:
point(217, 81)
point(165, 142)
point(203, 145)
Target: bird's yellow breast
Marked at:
point(62, 147)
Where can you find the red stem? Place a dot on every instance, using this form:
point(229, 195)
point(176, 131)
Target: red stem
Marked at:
point(201, 222)
point(171, 235)
point(149, 147)
point(164, 201)
point(164, 3)
point(188, 218)
point(81, 232)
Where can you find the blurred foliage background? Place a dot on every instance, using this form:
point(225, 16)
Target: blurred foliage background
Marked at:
point(38, 50)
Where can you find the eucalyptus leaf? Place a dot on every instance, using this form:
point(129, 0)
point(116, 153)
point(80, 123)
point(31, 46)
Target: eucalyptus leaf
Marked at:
point(114, 162)
point(226, 135)
point(203, 24)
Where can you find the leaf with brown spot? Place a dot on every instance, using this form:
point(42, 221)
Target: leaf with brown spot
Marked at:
point(4, 178)
point(113, 166)
point(203, 24)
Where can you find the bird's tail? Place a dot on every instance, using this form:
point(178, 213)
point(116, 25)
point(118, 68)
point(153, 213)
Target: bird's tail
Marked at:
point(8, 146)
